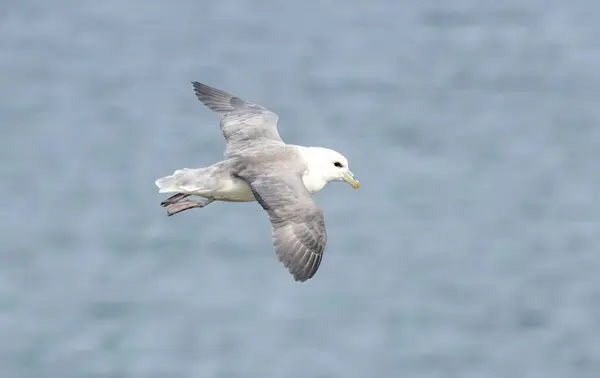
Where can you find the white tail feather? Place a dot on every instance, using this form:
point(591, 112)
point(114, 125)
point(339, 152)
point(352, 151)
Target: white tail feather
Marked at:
point(167, 184)
point(181, 181)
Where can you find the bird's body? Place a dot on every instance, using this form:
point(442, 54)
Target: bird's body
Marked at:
point(260, 166)
point(220, 181)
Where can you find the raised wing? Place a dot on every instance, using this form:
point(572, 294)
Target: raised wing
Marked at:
point(299, 235)
point(242, 123)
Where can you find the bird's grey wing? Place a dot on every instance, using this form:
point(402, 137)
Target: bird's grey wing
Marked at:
point(242, 123)
point(298, 225)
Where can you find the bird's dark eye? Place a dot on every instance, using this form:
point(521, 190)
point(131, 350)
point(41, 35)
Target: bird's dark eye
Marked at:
point(338, 164)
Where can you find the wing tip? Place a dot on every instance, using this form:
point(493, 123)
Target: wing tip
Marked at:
point(301, 277)
point(215, 99)
point(301, 272)
point(304, 274)
point(201, 88)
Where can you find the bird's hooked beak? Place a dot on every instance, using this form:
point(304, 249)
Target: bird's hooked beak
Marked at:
point(349, 178)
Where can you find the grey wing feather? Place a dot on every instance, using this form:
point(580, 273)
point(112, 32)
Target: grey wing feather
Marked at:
point(242, 123)
point(298, 225)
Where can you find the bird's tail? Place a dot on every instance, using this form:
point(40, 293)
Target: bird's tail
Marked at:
point(179, 182)
point(167, 184)
point(195, 181)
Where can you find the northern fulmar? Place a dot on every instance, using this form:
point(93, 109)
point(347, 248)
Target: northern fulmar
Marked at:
point(260, 166)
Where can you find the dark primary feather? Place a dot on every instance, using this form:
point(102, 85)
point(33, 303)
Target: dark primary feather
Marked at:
point(243, 123)
point(220, 101)
point(298, 225)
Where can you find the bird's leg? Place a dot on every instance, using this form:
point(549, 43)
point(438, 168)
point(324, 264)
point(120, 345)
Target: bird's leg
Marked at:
point(186, 205)
point(173, 199)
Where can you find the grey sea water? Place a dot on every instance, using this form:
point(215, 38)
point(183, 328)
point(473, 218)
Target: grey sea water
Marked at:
point(471, 250)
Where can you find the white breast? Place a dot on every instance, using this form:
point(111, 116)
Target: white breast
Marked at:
point(313, 183)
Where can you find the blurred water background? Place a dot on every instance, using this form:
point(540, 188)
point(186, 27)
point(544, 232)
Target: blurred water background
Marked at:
point(471, 249)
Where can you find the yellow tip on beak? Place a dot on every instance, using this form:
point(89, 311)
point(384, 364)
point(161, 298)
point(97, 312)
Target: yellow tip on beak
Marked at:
point(349, 178)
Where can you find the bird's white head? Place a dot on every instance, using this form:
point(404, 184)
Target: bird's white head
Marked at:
point(325, 165)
